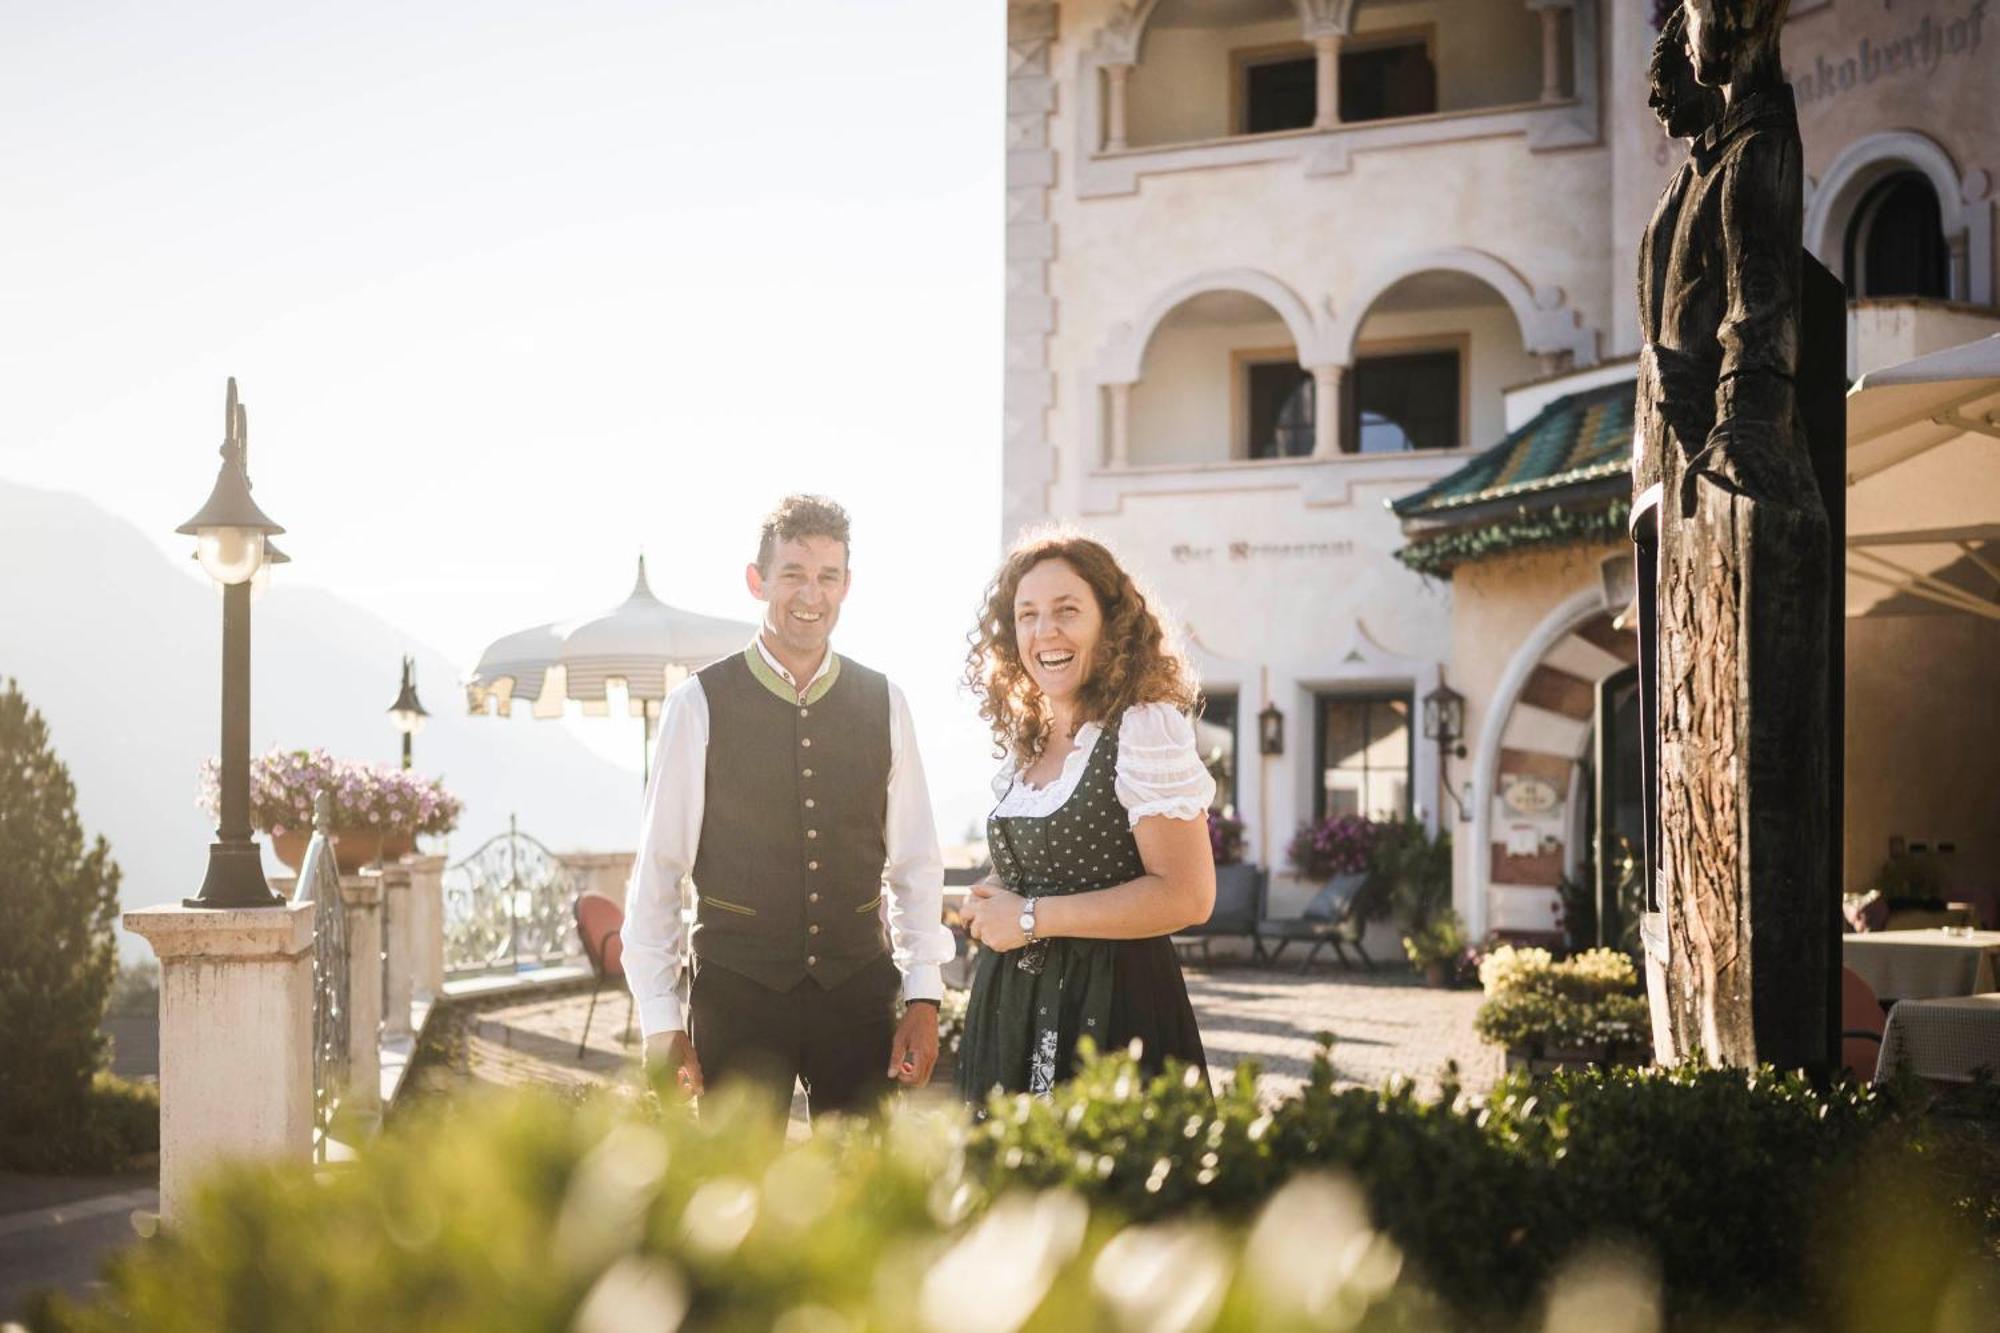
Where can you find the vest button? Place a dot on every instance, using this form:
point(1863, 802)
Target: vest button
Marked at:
point(813, 897)
point(812, 930)
point(811, 961)
point(810, 803)
point(805, 712)
point(806, 741)
point(806, 773)
point(812, 833)
point(812, 865)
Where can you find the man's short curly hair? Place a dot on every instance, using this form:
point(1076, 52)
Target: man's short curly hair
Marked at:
point(798, 517)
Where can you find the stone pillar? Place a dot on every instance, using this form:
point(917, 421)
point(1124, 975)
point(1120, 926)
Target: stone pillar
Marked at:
point(361, 897)
point(1120, 452)
point(396, 951)
point(427, 926)
point(1327, 416)
point(236, 1038)
point(1326, 69)
point(1114, 107)
point(1551, 12)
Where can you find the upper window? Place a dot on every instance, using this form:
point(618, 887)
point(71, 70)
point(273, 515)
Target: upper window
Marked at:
point(1409, 400)
point(1387, 75)
point(1279, 397)
point(1279, 93)
point(1364, 756)
point(1895, 244)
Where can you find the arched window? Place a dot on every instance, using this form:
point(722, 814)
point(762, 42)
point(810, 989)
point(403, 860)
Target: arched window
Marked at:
point(1895, 243)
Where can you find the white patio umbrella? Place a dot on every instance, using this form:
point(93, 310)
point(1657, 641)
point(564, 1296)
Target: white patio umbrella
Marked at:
point(1923, 478)
point(644, 648)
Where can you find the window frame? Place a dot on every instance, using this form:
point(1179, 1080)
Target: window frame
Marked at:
point(1323, 699)
point(1235, 697)
point(1241, 359)
point(1350, 408)
point(1409, 34)
point(1242, 60)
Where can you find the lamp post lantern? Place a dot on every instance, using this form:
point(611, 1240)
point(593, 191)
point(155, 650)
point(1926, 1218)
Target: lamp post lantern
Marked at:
point(231, 541)
point(408, 713)
point(1444, 722)
point(1270, 731)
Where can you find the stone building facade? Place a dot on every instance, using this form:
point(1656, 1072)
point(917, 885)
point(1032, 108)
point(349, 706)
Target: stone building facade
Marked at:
point(1274, 265)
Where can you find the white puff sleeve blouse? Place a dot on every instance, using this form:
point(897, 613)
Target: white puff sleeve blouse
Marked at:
point(1159, 766)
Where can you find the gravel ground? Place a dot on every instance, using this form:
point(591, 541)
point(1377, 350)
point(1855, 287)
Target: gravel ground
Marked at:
point(1385, 1025)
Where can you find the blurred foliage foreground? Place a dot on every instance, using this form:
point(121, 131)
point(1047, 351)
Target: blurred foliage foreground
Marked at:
point(1610, 1200)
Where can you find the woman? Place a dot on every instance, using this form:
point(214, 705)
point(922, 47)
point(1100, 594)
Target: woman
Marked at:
point(1100, 838)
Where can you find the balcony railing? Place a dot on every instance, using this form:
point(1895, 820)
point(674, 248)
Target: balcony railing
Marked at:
point(507, 906)
point(1108, 164)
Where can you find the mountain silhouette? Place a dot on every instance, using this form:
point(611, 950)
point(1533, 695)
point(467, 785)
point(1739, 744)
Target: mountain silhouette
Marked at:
point(121, 653)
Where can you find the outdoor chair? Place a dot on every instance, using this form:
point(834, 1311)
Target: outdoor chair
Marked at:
point(1239, 911)
point(1862, 1024)
point(598, 923)
point(1332, 918)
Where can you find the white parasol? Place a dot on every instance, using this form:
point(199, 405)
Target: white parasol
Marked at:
point(642, 649)
point(1923, 478)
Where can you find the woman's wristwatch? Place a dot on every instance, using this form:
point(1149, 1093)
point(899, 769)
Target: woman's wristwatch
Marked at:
point(1027, 921)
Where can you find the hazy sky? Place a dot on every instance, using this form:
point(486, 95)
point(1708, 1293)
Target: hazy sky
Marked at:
point(516, 290)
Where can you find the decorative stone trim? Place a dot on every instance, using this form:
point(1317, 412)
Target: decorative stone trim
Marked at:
point(1571, 122)
point(1028, 456)
point(1322, 482)
point(1547, 327)
point(1965, 205)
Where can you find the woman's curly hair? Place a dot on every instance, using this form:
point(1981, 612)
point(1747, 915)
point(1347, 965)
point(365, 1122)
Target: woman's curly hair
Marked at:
point(1134, 662)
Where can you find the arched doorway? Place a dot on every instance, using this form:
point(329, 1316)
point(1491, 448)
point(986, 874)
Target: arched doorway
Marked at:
point(1895, 244)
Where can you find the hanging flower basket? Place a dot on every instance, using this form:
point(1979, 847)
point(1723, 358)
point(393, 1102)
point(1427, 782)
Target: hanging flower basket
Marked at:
point(378, 811)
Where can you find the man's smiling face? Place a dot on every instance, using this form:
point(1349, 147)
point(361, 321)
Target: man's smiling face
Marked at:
point(802, 591)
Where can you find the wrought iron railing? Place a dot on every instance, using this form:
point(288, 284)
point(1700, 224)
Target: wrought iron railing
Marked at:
point(319, 884)
point(507, 906)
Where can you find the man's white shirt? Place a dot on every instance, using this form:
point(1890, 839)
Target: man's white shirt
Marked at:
point(671, 834)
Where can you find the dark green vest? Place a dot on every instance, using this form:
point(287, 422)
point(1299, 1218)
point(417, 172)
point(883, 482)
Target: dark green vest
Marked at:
point(789, 870)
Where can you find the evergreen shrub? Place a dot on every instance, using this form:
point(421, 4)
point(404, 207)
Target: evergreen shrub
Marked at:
point(1116, 1203)
point(58, 956)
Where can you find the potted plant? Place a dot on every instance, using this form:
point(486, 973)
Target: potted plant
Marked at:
point(1335, 845)
point(1436, 946)
point(378, 811)
point(1551, 1015)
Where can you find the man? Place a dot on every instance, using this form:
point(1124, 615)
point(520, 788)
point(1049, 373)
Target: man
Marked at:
point(787, 784)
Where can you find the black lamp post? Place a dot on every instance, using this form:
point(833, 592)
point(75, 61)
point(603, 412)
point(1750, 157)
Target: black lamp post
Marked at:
point(230, 535)
point(1270, 731)
point(408, 711)
point(1444, 722)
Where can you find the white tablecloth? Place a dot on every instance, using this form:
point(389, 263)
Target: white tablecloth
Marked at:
point(1943, 1039)
point(1924, 964)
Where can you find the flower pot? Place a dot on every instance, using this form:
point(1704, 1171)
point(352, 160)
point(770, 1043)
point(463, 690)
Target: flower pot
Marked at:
point(353, 849)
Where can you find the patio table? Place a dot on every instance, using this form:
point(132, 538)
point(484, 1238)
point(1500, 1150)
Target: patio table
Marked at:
point(1924, 964)
point(1943, 1039)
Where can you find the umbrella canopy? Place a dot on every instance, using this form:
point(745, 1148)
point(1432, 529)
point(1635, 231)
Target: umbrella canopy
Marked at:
point(644, 646)
point(1923, 476)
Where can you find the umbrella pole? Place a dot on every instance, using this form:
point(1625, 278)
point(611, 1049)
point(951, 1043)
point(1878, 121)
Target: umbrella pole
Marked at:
point(646, 759)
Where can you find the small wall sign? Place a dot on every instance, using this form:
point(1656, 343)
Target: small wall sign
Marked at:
point(1527, 795)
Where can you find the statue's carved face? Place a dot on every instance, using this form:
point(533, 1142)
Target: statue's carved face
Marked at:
point(1684, 107)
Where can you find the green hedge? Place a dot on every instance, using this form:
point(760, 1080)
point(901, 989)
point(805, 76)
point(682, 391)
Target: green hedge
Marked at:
point(1755, 1199)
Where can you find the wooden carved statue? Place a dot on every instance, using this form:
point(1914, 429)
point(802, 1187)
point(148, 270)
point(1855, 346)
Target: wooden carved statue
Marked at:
point(1734, 564)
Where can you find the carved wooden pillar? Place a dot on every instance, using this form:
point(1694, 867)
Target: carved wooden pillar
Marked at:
point(1119, 401)
point(1327, 416)
point(1326, 69)
point(1114, 107)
